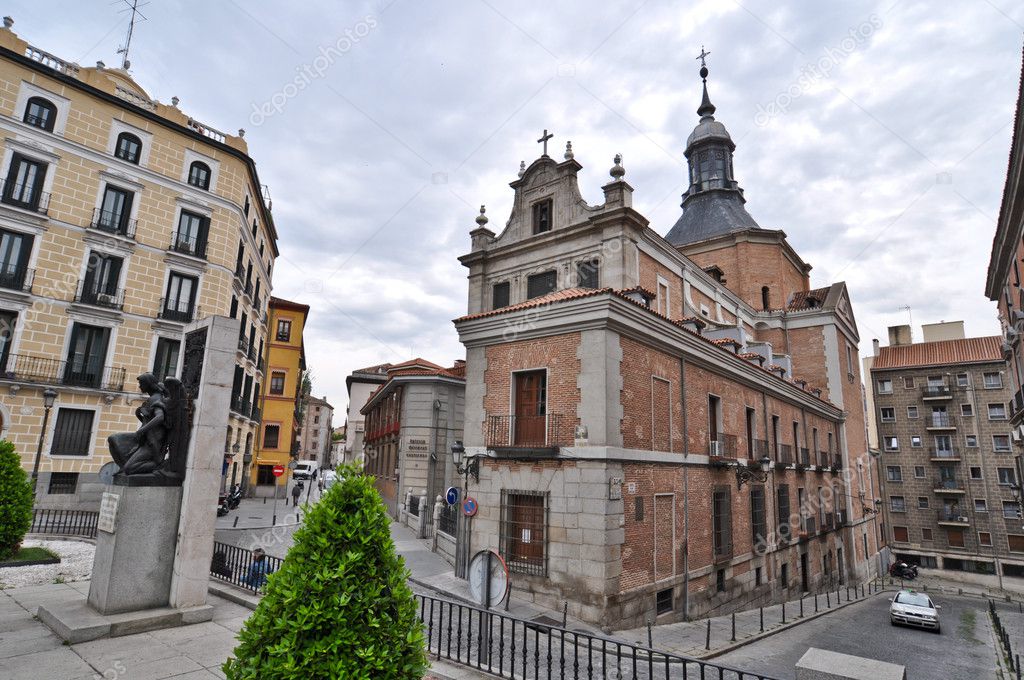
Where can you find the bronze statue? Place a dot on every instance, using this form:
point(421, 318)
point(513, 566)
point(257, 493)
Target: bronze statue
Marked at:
point(159, 447)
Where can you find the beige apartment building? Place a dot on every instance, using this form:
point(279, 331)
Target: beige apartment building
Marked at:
point(121, 220)
point(314, 434)
point(948, 469)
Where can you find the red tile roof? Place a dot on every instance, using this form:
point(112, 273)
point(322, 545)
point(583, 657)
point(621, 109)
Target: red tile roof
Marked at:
point(941, 353)
point(557, 296)
point(812, 299)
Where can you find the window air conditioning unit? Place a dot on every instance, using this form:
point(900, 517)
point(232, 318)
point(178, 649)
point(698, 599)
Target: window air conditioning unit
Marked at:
point(961, 519)
point(1015, 434)
point(716, 448)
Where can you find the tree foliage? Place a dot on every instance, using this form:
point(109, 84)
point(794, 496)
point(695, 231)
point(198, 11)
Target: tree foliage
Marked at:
point(16, 498)
point(339, 606)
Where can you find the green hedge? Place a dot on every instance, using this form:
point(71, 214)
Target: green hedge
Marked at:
point(339, 606)
point(15, 500)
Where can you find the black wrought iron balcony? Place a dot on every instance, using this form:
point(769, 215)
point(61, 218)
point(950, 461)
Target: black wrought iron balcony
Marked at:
point(940, 421)
point(113, 222)
point(952, 516)
point(256, 413)
point(181, 311)
point(805, 456)
point(785, 454)
point(108, 298)
point(251, 354)
point(936, 392)
point(243, 344)
point(809, 526)
point(760, 449)
point(724, 446)
point(188, 246)
point(242, 407)
point(259, 364)
point(27, 368)
point(24, 196)
point(17, 277)
point(944, 455)
point(239, 270)
point(248, 287)
point(528, 432)
point(943, 485)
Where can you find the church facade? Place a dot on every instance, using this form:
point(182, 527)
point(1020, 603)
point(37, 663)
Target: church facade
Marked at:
point(665, 426)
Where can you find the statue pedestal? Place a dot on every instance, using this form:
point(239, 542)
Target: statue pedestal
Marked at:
point(141, 545)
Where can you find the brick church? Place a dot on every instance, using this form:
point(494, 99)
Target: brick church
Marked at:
point(666, 426)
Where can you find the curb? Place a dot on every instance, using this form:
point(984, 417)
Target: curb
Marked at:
point(714, 653)
point(445, 593)
point(232, 594)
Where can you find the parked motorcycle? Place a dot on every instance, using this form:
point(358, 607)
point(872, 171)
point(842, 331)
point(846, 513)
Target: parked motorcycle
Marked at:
point(234, 497)
point(902, 570)
point(222, 508)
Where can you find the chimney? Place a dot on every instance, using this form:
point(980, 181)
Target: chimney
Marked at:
point(899, 335)
point(874, 346)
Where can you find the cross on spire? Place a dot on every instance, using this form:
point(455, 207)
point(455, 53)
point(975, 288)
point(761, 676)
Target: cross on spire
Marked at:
point(703, 56)
point(544, 140)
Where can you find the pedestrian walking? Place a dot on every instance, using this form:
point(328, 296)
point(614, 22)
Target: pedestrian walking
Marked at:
point(296, 492)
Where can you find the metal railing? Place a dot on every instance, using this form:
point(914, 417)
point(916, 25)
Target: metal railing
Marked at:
point(805, 456)
point(48, 371)
point(64, 522)
point(243, 344)
point(948, 484)
point(510, 647)
point(170, 310)
point(237, 566)
point(809, 526)
point(256, 413)
point(414, 505)
point(725, 445)
point(17, 277)
point(242, 407)
point(448, 523)
point(940, 420)
point(544, 431)
point(951, 516)
point(1005, 637)
point(188, 246)
point(785, 454)
point(951, 454)
point(24, 196)
point(933, 391)
point(761, 448)
point(88, 295)
point(113, 222)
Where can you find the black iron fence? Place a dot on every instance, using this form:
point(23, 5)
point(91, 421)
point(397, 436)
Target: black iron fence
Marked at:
point(414, 505)
point(1012, 660)
point(238, 566)
point(509, 647)
point(448, 522)
point(56, 372)
point(181, 311)
point(189, 245)
point(26, 195)
point(89, 293)
point(65, 522)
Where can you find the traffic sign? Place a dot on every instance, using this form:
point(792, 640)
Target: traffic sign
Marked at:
point(488, 578)
point(278, 470)
point(469, 506)
point(452, 495)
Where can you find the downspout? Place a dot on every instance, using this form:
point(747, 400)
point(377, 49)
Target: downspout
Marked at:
point(686, 492)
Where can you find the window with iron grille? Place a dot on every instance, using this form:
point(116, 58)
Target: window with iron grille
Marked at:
point(62, 482)
point(448, 522)
point(500, 295)
point(721, 521)
point(271, 436)
point(757, 515)
point(638, 509)
point(782, 503)
point(72, 434)
point(524, 531)
point(664, 601)
point(541, 284)
point(587, 272)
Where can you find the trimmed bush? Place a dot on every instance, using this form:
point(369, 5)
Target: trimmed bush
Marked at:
point(339, 606)
point(15, 500)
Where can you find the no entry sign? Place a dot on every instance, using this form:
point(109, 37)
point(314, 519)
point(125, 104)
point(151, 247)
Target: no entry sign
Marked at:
point(278, 470)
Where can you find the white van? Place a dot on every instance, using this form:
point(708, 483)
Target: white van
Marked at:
point(306, 469)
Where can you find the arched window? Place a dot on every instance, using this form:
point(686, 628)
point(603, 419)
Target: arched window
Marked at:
point(199, 175)
point(40, 113)
point(128, 147)
point(766, 303)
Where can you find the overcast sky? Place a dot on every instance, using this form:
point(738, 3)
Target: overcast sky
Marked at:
point(875, 134)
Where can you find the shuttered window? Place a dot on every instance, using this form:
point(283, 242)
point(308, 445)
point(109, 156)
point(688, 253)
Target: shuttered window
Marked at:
point(758, 524)
point(721, 521)
point(72, 434)
point(782, 503)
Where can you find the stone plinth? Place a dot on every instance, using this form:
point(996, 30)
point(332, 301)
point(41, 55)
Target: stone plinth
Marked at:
point(133, 565)
point(821, 664)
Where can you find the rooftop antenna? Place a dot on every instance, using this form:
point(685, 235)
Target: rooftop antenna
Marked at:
point(133, 7)
point(910, 321)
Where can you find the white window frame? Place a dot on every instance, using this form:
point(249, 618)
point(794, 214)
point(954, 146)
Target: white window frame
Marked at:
point(878, 385)
point(51, 430)
point(28, 90)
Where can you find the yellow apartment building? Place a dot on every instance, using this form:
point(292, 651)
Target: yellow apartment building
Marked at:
point(286, 362)
point(121, 219)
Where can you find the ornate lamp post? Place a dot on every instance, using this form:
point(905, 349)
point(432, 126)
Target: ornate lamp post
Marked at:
point(49, 396)
point(748, 474)
point(467, 468)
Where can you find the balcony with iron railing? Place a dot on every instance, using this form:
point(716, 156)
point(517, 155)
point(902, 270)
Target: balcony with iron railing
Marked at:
point(256, 413)
point(17, 277)
point(1016, 406)
point(242, 407)
point(936, 392)
point(952, 518)
point(944, 455)
point(186, 245)
point(259, 364)
point(724, 446)
point(24, 196)
point(946, 485)
point(113, 222)
point(760, 449)
point(46, 371)
point(547, 431)
point(805, 456)
point(243, 345)
point(823, 459)
point(808, 527)
point(177, 310)
point(940, 421)
point(251, 353)
point(88, 293)
point(785, 454)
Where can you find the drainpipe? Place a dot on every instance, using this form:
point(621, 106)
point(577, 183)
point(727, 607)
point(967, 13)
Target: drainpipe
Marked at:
point(686, 493)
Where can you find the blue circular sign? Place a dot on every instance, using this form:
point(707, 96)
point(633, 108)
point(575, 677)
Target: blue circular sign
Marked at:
point(452, 495)
point(469, 506)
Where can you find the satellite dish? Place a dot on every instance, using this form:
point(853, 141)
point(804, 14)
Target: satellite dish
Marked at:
point(488, 578)
point(107, 472)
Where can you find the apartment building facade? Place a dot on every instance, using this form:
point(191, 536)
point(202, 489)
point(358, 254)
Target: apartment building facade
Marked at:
point(360, 384)
point(315, 430)
point(286, 364)
point(948, 464)
point(664, 426)
point(121, 220)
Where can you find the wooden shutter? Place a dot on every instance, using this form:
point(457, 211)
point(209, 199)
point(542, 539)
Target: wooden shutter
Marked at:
point(72, 434)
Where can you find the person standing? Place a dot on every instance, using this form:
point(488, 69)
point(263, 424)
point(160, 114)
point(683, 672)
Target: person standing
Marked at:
point(296, 492)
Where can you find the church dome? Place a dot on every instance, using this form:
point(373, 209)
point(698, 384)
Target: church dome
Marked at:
point(708, 129)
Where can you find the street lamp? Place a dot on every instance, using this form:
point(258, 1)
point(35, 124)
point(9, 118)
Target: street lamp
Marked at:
point(472, 466)
point(49, 396)
point(753, 474)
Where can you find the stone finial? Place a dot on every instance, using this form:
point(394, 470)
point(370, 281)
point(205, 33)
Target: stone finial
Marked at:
point(174, 101)
point(568, 151)
point(241, 132)
point(522, 168)
point(481, 219)
point(100, 65)
point(8, 22)
point(617, 171)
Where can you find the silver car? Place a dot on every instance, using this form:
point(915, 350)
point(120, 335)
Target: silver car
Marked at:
point(910, 608)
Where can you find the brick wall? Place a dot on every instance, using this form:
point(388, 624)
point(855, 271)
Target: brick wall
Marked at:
point(558, 354)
